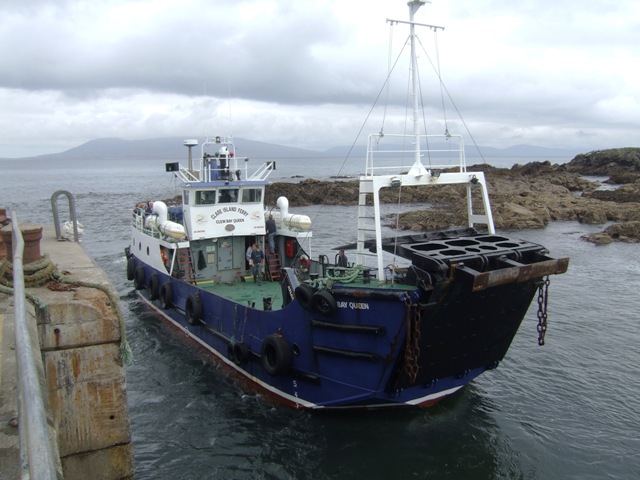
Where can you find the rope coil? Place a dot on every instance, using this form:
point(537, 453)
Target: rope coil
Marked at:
point(350, 274)
point(44, 271)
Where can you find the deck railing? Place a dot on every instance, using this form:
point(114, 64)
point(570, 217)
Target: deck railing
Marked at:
point(394, 154)
point(39, 454)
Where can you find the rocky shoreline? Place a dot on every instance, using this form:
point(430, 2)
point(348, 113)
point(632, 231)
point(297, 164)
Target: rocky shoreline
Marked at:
point(524, 196)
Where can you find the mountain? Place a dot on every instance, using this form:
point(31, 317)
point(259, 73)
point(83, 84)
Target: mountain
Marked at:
point(172, 148)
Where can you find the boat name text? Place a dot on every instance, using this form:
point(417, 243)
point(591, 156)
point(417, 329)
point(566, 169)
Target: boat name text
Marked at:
point(224, 210)
point(353, 305)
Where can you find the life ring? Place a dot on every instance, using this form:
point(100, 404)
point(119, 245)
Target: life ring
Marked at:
point(304, 295)
point(240, 353)
point(154, 286)
point(193, 309)
point(131, 268)
point(165, 257)
point(304, 263)
point(276, 355)
point(138, 278)
point(166, 295)
point(324, 302)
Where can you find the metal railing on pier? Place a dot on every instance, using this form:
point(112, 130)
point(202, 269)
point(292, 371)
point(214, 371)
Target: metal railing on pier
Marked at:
point(39, 454)
point(72, 214)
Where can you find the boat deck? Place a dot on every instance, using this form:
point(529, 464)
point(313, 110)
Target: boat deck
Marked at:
point(247, 292)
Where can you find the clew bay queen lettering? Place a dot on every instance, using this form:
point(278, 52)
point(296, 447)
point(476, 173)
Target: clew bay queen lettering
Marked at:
point(353, 305)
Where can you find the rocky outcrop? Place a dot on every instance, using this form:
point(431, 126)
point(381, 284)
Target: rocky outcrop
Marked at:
point(524, 196)
point(621, 164)
point(628, 232)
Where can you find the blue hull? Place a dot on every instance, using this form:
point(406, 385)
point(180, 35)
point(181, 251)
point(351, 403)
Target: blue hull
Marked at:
point(355, 357)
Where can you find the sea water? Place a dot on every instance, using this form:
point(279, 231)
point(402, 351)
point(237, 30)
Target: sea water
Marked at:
point(567, 410)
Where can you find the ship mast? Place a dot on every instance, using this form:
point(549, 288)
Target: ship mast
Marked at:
point(417, 169)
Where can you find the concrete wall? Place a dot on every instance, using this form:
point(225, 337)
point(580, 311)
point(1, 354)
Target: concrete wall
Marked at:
point(78, 331)
point(80, 338)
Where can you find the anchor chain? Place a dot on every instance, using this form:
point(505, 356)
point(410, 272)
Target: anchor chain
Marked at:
point(412, 345)
point(543, 297)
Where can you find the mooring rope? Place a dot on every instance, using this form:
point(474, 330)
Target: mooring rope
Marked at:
point(43, 272)
point(350, 274)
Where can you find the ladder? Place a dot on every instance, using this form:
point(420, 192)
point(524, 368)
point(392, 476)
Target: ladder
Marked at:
point(273, 266)
point(186, 266)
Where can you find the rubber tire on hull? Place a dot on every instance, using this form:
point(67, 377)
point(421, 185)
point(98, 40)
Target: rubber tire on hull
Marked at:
point(193, 310)
point(277, 355)
point(240, 353)
point(154, 286)
point(138, 278)
point(131, 268)
point(304, 295)
point(324, 302)
point(166, 295)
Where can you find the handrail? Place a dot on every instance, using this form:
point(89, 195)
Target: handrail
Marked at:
point(443, 151)
point(72, 213)
point(39, 456)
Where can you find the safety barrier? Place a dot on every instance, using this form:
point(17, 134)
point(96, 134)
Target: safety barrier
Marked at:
point(39, 455)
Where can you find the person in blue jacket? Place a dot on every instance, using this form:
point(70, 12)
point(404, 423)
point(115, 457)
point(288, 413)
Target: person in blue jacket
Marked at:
point(257, 263)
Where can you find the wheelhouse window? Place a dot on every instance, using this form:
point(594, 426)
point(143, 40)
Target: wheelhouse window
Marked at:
point(228, 195)
point(251, 195)
point(205, 197)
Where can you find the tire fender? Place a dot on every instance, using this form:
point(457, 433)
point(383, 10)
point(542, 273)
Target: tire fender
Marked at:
point(138, 278)
point(240, 353)
point(131, 268)
point(154, 286)
point(276, 355)
point(324, 302)
point(193, 310)
point(166, 295)
point(304, 295)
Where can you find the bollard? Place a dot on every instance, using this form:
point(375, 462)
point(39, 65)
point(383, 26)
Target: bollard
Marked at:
point(32, 234)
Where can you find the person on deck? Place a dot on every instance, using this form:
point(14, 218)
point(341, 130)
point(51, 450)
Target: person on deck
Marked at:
point(257, 262)
point(271, 234)
point(343, 261)
point(247, 256)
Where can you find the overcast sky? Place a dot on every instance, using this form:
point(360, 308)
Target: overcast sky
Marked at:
point(304, 73)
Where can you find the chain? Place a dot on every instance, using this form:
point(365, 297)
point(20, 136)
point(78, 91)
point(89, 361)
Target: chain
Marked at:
point(412, 345)
point(543, 297)
point(416, 336)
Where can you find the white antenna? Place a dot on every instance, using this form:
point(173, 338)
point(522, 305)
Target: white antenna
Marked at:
point(417, 168)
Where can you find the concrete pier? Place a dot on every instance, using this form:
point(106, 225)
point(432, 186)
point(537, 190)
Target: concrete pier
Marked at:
point(79, 336)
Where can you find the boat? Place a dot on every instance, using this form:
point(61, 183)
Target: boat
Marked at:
point(309, 331)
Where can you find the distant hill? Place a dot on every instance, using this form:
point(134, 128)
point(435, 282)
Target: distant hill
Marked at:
point(172, 148)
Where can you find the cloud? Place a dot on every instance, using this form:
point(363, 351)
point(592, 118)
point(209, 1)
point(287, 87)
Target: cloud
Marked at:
point(305, 73)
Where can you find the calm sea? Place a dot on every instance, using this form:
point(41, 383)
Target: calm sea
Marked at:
point(568, 410)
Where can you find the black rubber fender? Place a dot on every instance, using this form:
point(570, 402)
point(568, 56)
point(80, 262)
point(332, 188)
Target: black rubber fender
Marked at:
point(324, 302)
point(154, 286)
point(276, 355)
point(138, 278)
point(193, 309)
point(304, 295)
point(240, 353)
point(166, 295)
point(131, 268)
